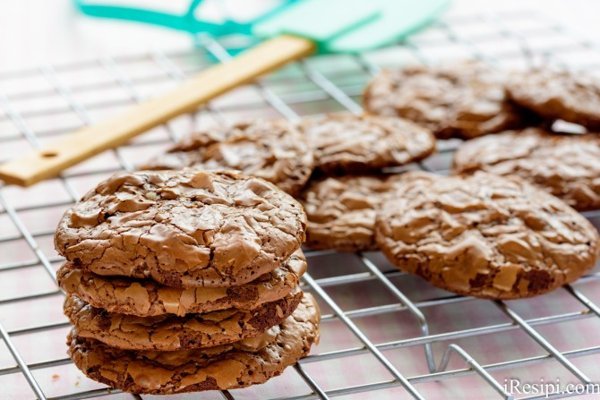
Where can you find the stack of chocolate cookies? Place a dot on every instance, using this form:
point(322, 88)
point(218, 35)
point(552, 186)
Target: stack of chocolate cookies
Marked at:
point(185, 280)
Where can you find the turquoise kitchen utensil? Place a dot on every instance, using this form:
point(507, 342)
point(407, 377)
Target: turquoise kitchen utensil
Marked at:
point(357, 26)
point(187, 22)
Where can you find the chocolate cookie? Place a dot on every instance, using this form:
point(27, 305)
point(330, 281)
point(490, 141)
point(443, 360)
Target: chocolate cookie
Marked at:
point(146, 298)
point(341, 211)
point(169, 332)
point(485, 235)
point(270, 149)
point(350, 143)
point(462, 100)
point(573, 97)
point(568, 166)
point(226, 367)
point(184, 228)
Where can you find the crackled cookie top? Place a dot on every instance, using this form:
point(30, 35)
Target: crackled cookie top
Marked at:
point(270, 149)
point(147, 298)
point(251, 361)
point(463, 100)
point(169, 332)
point(485, 235)
point(553, 94)
point(568, 166)
point(348, 143)
point(182, 228)
point(341, 211)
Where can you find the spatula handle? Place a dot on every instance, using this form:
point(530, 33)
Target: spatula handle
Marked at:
point(89, 141)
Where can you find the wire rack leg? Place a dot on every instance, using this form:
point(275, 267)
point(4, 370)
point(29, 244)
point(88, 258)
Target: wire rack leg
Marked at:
point(412, 308)
point(453, 348)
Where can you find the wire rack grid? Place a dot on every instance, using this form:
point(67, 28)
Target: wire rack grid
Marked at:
point(385, 334)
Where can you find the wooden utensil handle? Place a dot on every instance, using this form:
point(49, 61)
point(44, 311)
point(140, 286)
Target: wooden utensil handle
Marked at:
point(89, 141)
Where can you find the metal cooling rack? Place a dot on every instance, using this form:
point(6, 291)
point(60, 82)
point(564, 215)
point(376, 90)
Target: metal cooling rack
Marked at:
point(385, 334)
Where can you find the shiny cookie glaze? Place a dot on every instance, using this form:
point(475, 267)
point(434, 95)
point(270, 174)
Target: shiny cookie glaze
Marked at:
point(568, 166)
point(553, 94)
point(460, 100)
point(270, 149)
point(341, 211)
point(346, 142)
point(169, 332)
point(145, 298)
point(232, 366)
point(485, 235)
point(184, 228)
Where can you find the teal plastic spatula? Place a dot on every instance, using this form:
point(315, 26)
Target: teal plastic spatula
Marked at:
point(342, 26)
point(292, 32)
